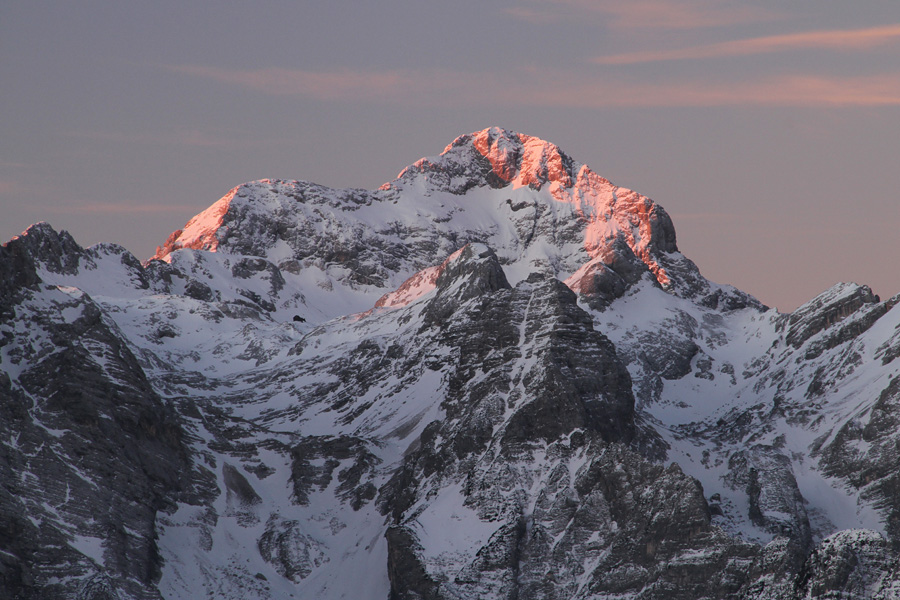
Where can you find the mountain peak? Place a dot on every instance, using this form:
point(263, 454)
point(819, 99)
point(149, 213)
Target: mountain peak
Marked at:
point(201, 231)
point(533, 204)
point(520, 159)
point(495, 157)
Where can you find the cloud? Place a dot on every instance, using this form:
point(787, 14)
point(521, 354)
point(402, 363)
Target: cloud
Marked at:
point(841, 39)
point(397, 86)
point(6, 164)
point(320, 85)
point(530, 14)
point(647, 14)
point(8, 187)
point(556, 88)
point(334, 85)
point(116, 208)
point(193, 138)
point(788, 91)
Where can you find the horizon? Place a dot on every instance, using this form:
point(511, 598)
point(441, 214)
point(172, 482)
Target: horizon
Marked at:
point(768, 133)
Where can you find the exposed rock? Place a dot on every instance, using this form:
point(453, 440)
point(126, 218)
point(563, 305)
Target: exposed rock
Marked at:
point(333, 453)
point(85, 419)
point(775, 501)
point(827, 309)
point(608, 276)
point(292, 553)
point(851, 564)
point(866, 453)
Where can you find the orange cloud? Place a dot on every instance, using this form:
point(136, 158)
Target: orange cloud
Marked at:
point(647, 14)
point(847, 39)
point(320, 85)
point(797, 91)
point(393, 86)
point(561, 89)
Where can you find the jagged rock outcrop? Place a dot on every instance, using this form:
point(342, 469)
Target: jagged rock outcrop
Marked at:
point(865, 451)
point(828, 309)
point(774, 499)
point(851, 564)
point(96, 453)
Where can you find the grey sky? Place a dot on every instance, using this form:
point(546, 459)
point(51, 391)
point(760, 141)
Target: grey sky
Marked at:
point(768, 130)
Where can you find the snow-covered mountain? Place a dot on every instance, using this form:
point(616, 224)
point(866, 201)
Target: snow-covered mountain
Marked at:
point(493, 377)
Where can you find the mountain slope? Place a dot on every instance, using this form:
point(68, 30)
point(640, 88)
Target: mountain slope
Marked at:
point(495, 376)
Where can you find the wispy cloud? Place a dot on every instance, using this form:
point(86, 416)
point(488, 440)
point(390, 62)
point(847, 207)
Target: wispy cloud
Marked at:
point(839, 39)
point(193, 138)
point(793, 91)
point(6, 164)
point(530, 14)
point(321, 85)
point(28, 190)
point(9, 187)
point(338, 84)
point(647, 14)
point(116, 208)
point(561, 89)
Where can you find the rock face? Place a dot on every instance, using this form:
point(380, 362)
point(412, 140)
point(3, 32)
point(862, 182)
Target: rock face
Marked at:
point(865, 452)
point(81, 420)
point(855, 562)
point(494, 377)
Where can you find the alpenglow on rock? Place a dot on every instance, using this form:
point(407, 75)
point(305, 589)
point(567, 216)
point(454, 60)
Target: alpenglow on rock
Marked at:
point(494, 377)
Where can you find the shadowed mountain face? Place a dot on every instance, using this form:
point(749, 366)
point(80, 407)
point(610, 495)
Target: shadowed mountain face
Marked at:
point(493, 377)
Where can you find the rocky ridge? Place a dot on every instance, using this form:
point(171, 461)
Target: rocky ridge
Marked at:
point(494, 377)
